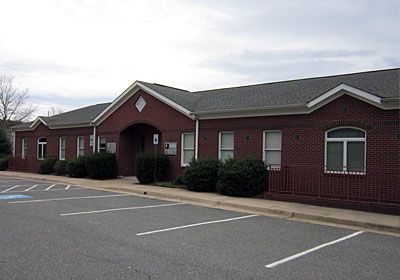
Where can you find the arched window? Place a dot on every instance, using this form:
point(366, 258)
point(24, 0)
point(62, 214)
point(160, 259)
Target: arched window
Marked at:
point(345, 150)
point(41, 151)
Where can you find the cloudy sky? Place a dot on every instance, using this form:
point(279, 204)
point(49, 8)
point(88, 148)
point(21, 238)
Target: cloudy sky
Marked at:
point(72, 53)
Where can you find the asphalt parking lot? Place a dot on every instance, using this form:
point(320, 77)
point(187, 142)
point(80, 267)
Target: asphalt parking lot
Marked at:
point(58, 231)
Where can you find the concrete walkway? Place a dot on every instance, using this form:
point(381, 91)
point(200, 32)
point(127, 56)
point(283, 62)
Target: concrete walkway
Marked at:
point(315, 214)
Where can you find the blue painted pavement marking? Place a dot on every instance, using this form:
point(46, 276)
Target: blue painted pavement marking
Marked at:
point(14, 196)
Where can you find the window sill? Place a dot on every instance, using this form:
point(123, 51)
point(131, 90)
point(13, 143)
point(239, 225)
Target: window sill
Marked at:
point(344, 172)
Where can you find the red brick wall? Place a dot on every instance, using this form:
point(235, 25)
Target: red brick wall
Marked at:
point(30, 163)
point(167, 120)
point(381, 127)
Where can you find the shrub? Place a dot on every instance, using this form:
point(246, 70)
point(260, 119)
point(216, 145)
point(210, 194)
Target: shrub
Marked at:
point(241, 177)
point(46, 166)
point(146, 172)
point(60, 167)
point(3, 163)
point(5, 145)
point(201, 175)
point(77, 167)
point(102, 166)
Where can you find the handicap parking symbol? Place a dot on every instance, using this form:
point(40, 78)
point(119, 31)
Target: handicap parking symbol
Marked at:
point(13, 196)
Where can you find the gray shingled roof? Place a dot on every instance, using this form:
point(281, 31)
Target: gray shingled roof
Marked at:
point(79, 116)
point(182, 97)
point(382, 83)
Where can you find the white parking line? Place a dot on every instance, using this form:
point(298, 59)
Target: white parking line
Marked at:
point(120, 209)
point(198, 224)
point(66, 198)
point(50, 187)
point(28, 189)
point(271, 265)
point(10, 189)
point(67, 187)
point(75, 189)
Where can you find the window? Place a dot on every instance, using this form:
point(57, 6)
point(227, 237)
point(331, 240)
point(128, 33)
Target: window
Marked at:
point(345, 150)
point(80, 146)
point(41, 151)
point(272, 148)
point(61, 153)
point(102, 145)
point(24, 148)
point(226, 144)
point(187, 148)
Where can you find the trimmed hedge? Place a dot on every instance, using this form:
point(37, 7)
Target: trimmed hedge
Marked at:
point(77, 167)
point(146, 172)
point(102, 166)
point(242, 177)
point(60, 167)
point(46, 166)
point(3, 163)
point(201, 175)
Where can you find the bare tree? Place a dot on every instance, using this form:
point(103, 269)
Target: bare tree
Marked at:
point(14, 106)
point(55, 111)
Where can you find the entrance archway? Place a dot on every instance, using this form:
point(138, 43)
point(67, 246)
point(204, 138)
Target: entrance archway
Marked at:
point(133, 140)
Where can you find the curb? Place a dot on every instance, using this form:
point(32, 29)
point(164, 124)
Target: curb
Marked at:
point(285, 214)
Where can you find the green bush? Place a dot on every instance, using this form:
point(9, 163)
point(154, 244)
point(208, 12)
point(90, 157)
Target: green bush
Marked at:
point(146, 172)
point(5, 145)
point(3, 163)
point(77, 167)
point(46, 166)
point(60, 167)
point(201, 175)
point(241, 177)
point(102, 166)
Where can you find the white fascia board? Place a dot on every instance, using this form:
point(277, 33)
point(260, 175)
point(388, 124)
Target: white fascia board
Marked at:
point(129, 92)
point(352, 91)
point(36, 122)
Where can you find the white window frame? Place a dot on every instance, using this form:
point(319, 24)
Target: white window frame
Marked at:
point(40, 143)
point(183, 149)
point(61, 149)
point(220, 149)
point(345, 141)
point(98, 143)
point(24, 147)
point(79, 149)
point(264, 149)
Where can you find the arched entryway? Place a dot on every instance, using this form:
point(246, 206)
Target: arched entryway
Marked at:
point(136, 139)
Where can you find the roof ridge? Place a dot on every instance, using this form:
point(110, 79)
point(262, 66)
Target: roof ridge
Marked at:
point(300, 79)
point(157, 84)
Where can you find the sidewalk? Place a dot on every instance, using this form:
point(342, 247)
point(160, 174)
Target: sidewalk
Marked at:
point(287, 210)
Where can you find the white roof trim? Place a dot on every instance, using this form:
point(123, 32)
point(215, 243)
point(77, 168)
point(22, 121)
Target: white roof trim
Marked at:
point(129, 92)
point(352, 91)
point(36, 122)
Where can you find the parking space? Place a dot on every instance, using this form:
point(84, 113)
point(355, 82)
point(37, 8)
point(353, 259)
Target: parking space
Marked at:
point(92, 234)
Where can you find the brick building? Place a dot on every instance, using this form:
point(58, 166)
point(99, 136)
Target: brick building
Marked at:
point(329, 140)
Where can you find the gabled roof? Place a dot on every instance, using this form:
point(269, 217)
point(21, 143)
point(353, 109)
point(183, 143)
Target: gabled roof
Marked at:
point(382, 83)
point(79, 117)
point(380, 88)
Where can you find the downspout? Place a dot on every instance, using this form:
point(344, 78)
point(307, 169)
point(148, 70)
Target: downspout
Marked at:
point(14, 143)
point(196, 145)
point(94, 139)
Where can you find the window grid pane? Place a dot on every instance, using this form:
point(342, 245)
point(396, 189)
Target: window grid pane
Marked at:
point(355, 156)
point(227, 140)
point(334, 156)
point(273, 140)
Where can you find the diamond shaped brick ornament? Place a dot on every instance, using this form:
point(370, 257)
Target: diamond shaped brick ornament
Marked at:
point(140, 104)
